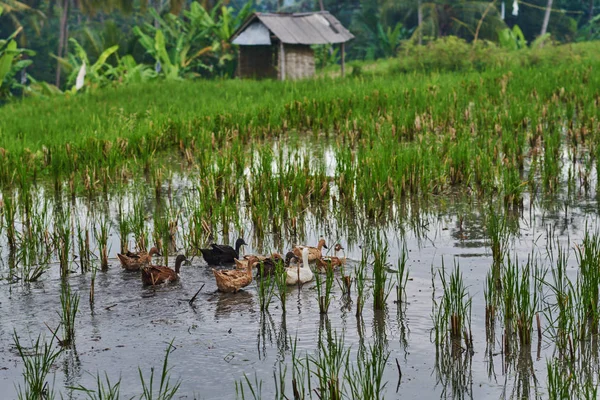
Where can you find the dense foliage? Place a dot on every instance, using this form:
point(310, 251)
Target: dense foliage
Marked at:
point(129, 41)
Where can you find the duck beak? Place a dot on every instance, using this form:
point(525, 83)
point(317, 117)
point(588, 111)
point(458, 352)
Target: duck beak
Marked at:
point(325, 246)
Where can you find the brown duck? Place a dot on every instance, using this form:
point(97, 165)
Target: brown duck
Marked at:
point(269, 264)
point(324, 263)
point(134, 261)
point(155, 275)
point(314, 253)
point(232, 280)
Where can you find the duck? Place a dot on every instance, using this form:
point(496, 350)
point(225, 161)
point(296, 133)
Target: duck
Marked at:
point(297, 275)
point(243, 263)
point(325, 263)
point(222, 254)
point(134, 261)
point(314, 253)
point(155, 275)
point(232, 280)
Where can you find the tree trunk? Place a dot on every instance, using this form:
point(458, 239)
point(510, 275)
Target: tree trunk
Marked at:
point(321, 5)
point(420, 21)
point(591, 10)
point(62, 38)
point(546, 18)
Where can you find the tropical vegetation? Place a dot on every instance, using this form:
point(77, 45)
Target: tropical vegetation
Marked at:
point(48, 45)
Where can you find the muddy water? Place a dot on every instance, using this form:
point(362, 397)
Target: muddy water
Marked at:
point(221, 337)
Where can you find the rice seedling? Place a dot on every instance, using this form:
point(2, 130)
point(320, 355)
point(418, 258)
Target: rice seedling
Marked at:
point(453, 314)
point(166, 389)
point(83, 244)
point(101, 230)
point(402, 274)
point(92, 296)
point(589, 280)
point(330, 363)
point(69, 303)
point(360, 283)
point(265, 287)
point(365, 381)
point(280, 278)
point(137, 224)
point(254, 388)
point(324, 289)
point(497, 231)
point(104, 390)
point(37, 363)
point(62, 238)
point(490, 294)
point(560, 382)
point(9, 210)
point(526, 302)
point(562, 312)
point(124, 230)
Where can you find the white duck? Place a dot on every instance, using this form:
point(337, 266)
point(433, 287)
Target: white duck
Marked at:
point(299, 274)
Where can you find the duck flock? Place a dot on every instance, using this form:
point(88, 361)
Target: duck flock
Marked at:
point(295, 264)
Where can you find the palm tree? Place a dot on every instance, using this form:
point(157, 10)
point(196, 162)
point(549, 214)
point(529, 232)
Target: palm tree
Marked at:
point(462, 18)
point(16, 12)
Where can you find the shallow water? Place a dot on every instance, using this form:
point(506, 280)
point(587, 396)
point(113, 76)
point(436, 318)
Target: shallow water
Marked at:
point(221, 337)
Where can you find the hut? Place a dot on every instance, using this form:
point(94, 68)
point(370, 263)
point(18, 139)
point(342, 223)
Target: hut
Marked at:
point(278, 45)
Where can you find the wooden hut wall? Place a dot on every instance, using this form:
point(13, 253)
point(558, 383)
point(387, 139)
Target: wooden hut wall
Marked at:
point(257, 62)
point(299, 62)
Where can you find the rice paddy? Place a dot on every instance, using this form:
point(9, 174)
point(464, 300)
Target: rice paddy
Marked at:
point(466, 205)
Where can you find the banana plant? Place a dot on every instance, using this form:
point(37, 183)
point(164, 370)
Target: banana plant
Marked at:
point(512, 39)
point(389, 39)
point(197, 43)
point(11, 61)
point(97, 74)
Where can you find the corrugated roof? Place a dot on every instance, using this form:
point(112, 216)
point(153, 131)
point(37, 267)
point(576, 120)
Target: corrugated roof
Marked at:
point(301, 28)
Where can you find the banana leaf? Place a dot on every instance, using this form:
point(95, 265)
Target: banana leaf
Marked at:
point(102, 59)
point(6, 60)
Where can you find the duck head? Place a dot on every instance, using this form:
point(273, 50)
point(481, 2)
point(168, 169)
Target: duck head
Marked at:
point(338, 247)
point(289, 257)
point(154, 252)
point(322, 244)
point(178, 261)
point(239, 243)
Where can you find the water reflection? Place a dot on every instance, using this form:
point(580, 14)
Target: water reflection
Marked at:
point(453, 370)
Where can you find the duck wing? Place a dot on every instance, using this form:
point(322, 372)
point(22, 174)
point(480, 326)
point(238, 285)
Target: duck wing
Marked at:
point(222, 248)
point(132, 255)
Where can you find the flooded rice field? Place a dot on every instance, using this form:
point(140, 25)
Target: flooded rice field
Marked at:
point(425, 332)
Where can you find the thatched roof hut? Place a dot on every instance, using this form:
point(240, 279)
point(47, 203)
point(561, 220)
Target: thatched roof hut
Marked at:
point(277, 45)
